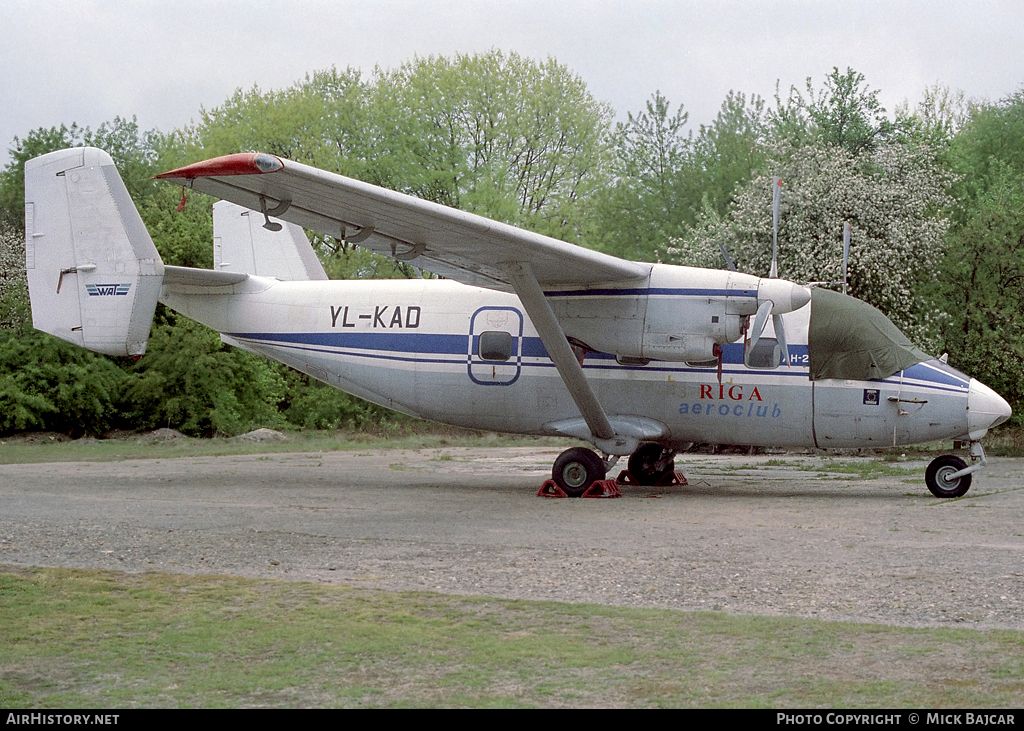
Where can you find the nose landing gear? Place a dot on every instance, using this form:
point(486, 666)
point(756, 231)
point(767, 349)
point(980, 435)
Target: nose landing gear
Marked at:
point(949, 476)
point(940, 480)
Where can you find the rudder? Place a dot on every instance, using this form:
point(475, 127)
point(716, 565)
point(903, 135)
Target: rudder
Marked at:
point(94, 274)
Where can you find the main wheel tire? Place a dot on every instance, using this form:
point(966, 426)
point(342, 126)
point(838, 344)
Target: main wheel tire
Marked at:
point(649, 463)
point(577, 469)
point(938, 480)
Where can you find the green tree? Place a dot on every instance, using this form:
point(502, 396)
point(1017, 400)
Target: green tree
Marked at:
point(845, 113)
point(514, 139)
point(989, 145)
point(664, 178)
point(983, 288)
point(321, 121)
point(48, 384)
point(730, 151)
point(191, 381)
point(183, 238)
point(937, 118)
point(982, 277)
point(651, 196)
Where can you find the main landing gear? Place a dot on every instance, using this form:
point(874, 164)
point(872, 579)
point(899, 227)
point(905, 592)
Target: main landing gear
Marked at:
point(580, 471)
point(649, 464)
point(577, 469)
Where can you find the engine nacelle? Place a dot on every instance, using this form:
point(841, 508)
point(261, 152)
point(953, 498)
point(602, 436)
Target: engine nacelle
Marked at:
point(691, 310)
point(680, 315)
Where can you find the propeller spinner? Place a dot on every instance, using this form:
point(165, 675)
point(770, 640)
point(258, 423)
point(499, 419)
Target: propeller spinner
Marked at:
point(776, 297)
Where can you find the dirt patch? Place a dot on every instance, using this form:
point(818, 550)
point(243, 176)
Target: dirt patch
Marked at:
point(161, 435)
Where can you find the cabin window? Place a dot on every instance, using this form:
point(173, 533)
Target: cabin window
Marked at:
point(765, 355)
point(495, 345)
point(713, 363)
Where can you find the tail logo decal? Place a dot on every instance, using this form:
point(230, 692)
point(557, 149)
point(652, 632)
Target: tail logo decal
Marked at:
point(105, 290)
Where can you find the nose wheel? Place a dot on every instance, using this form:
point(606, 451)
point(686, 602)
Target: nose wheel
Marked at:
point(940, 477)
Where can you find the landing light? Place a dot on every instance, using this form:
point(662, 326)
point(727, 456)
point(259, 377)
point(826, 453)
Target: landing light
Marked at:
point(267, 163)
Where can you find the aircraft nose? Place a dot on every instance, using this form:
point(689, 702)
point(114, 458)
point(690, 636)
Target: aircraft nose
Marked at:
point(985, 409)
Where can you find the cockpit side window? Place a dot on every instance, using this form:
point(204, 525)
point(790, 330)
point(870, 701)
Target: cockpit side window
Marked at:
point(765, 355)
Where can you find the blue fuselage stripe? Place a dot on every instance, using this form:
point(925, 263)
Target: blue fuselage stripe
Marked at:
point(674, 291)
point(418, 347)
point(441, 344)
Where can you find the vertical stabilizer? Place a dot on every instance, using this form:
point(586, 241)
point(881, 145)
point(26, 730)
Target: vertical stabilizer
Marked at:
point(94, 274)
point(241, 243)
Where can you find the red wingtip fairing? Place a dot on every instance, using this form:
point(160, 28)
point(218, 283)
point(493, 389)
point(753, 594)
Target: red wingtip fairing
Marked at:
point(241, 163)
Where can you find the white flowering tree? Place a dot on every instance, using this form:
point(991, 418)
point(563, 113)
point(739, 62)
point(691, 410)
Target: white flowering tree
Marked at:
point(14, 312)
point(893, 195)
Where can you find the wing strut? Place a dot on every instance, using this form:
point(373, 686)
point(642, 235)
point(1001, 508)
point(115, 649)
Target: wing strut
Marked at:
point(551, 334)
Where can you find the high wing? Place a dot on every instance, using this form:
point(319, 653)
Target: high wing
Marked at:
point(462, 246)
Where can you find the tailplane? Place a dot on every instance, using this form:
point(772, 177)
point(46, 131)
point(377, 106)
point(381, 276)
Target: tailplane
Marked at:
point(242, 243)
point(94, 274)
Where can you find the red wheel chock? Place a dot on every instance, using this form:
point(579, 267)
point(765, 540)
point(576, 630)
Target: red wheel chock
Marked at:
point(666, 480)
point(599, 488)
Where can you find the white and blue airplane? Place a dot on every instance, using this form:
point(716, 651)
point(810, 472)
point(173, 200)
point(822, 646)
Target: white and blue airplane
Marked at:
point(524, 334)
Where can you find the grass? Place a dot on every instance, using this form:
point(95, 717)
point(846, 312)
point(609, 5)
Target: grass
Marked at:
point(860, 469)
point(1005, 441)
point(21, 451)
point(76, 638)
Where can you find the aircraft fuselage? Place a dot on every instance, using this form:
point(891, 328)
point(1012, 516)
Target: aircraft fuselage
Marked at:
point(470, 357)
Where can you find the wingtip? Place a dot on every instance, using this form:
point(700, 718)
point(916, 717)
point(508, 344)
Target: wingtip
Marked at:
point(240, 163)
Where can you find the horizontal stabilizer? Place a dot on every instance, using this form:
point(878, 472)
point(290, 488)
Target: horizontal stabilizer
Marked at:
point(177, 277)
point(94, 274)
point(242, 242)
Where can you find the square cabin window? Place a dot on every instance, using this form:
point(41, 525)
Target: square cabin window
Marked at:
point(495, 345)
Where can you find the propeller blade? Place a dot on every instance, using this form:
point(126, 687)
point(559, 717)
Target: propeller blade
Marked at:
point(780, 335)
point(760, 321)
point(728, 259)
point(846, 253)
point(776, 197)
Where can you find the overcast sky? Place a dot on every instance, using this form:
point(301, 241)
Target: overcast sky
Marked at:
point(86, 61)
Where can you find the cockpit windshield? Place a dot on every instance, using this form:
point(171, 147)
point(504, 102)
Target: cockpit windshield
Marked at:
point(852, 340)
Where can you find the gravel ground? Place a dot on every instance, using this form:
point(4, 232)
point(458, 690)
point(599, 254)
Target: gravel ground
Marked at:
point(748, 535)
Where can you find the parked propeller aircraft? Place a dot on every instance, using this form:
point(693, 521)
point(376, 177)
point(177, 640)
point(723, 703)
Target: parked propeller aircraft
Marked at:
point(525, 334)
